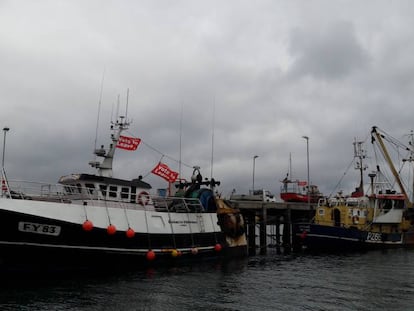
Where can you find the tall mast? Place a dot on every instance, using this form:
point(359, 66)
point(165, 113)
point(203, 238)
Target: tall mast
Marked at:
point(387, 157)
point(212, 141)
point(120, 124)
point(105, 167)
point(127, 101)
point(360, 154)
point(181, 134)
point(99, 108)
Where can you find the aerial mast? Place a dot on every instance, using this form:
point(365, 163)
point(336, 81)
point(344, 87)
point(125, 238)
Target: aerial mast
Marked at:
point(359, 154)
point(120, 124)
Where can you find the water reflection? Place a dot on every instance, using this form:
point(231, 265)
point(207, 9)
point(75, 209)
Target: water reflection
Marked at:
point(359, 281)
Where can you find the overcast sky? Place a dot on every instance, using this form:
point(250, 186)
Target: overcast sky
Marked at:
point(258, 75)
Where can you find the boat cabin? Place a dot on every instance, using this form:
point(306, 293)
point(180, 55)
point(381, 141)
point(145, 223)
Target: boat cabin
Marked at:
point(358, 212)
point(389, 208)
point(104, 188)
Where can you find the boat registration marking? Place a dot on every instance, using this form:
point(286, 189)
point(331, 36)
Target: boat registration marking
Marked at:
point(374, 236)
point(39, 228)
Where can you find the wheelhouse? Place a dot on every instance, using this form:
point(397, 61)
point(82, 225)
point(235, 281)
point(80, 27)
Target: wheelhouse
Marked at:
point(104, 188)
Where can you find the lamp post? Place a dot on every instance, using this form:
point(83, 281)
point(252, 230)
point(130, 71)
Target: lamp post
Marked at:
point(254, 164)
point(307, 158)
point(5, 130)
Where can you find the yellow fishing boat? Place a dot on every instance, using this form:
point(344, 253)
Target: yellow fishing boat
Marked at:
point(381, 218)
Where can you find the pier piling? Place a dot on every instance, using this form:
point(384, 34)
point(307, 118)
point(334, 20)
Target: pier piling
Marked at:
point(263, 230)
point(278, 215)
point(278, 251)
point(251, 232)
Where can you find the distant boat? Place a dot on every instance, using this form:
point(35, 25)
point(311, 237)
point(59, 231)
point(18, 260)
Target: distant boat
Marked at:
point(262, 195)
point(382, 218)
point(98, 220)
point(298, 191)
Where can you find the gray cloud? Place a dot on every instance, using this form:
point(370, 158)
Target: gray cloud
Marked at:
point(271, 72)
point(329, 53)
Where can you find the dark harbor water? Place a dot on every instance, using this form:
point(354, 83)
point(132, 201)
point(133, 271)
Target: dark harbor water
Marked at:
point(375, 280)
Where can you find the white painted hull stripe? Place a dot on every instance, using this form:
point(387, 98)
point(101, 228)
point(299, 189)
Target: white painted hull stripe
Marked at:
point(353, 239)
point(333, 237)
point(112, 249)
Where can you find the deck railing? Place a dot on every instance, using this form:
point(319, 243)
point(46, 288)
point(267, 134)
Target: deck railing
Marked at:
point(37, 191)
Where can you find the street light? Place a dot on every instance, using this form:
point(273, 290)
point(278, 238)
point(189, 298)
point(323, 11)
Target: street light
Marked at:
point(307, 157)
point(254, 164)
point(5, 130)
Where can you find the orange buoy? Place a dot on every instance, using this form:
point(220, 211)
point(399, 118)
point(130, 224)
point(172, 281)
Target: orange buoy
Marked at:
point(111, 229)
point(87, 225)
point(194, 251)
point(174, 253)
point(130, 233)
point(150, 255)
point(218, 247)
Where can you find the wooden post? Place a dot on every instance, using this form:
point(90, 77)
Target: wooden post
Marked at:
point(287, 227)
point(251, 233)
point(278, 235)
point(263, 231)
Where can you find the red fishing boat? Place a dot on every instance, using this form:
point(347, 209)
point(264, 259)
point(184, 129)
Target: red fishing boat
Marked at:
point(298, 191)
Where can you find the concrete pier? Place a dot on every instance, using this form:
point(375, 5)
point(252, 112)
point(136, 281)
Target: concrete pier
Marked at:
point(270, 216)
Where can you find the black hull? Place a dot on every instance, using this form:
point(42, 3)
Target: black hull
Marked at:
point(75, 247)
point(318, 238)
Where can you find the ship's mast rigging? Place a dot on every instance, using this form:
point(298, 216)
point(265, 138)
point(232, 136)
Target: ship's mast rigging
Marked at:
point(120, 124)
point(360, 154)
point(410, 159)
point(376, 136)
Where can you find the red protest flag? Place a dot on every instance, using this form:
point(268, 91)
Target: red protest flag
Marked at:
point(165, 172)
point(128, 143)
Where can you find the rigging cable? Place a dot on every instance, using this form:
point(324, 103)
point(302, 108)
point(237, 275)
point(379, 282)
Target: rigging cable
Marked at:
point(340, 180)
point(212, 140)
point(99, 109)
point(346, 171)
point(159, 152)
point(162, 155)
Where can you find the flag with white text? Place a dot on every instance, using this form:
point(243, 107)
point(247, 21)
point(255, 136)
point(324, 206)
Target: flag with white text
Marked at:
point(128, 143)
point(165, 172)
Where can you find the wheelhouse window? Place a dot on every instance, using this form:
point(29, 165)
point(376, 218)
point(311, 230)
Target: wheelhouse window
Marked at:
point(69, 188)
point(103, 189)
point(79, 186)
point(113, 191)
point(386, 204)
point(399, 204)
point(133, 194)
point(124, 192)
point(90, 188)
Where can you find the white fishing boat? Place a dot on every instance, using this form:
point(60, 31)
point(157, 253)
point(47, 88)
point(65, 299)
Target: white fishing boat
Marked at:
point(102, 220)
